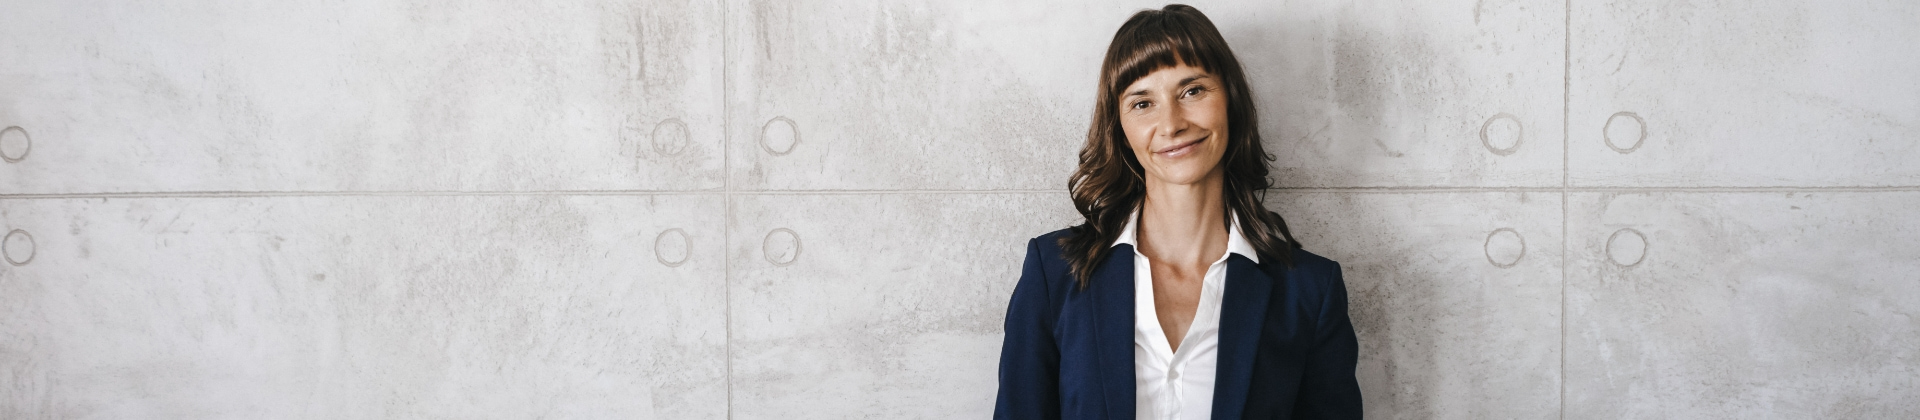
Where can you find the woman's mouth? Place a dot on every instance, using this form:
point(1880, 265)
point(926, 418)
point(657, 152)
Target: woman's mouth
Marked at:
point(1180, 150)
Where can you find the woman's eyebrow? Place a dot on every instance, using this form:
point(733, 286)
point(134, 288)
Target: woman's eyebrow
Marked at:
point(1183, 82)
point(1191, 79)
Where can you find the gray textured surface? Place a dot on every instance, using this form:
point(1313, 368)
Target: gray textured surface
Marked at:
point(364, 307)
point(888, 311)
point(1455, 297)
point(1743, 305)
point(363, 96)
point(1745, 94)
point(816, 209)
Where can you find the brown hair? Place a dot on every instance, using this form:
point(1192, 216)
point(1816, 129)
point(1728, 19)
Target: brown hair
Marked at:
point(1108, 185)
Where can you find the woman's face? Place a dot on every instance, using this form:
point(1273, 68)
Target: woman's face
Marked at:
point(1176, 122)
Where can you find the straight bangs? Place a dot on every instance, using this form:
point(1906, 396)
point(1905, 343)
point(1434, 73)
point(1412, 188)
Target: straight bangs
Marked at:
point(1158, 44)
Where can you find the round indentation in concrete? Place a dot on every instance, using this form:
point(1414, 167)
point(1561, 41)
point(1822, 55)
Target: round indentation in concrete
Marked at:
point(779, 136)
point(1502, 134)
point(1625, 131)
point(1627, 247)
point(1505, 247)
point(781, 247)
point(18, 247)
point(15, 144)
point(669, 137)
point(672, 247)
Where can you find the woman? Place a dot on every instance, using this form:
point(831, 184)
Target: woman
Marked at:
point(1181, 297)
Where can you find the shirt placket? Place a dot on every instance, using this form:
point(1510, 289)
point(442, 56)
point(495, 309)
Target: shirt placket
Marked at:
point(1176, 394)
point(1170, 406)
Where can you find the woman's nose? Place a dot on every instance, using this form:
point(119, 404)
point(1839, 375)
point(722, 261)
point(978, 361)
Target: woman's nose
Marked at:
point(1174, 121)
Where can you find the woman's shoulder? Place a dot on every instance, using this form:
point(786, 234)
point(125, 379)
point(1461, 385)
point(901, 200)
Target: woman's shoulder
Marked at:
point(1048, 245)
point(1311, 277)
point(1044, 256)
point(1311, 263)
point(1050, 241)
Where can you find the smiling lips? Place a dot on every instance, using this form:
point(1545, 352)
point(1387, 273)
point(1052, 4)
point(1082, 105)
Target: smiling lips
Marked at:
point(1180, 150)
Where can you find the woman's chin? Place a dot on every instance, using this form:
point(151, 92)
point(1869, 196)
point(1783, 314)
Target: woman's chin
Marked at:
point(1183, 176)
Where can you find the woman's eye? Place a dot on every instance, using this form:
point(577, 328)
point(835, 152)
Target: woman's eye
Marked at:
point(1140, 105)
point(1193, 91)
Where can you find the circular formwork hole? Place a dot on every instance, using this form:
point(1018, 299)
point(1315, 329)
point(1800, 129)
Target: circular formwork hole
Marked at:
point(669, 137)
point(15, 143)
point(779, 136)
point(1625, 132)
point(18, 247)
point(1502, 134)
point(1504, 247)
point(781, 247)
point(1627, 247)
point(672, 247)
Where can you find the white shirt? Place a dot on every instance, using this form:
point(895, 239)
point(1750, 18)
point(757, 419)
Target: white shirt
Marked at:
point(1170, 385)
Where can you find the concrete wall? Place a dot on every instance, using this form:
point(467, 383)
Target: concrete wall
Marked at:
point(817, 209)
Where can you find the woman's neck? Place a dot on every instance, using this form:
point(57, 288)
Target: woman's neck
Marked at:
point(1183, 224)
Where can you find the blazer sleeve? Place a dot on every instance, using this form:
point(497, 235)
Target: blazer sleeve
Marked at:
point(1328, 389)
point(1029, 359)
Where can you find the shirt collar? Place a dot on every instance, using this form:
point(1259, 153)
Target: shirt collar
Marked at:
point(1236, 243)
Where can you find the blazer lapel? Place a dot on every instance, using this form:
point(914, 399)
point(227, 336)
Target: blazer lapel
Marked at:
point(1243, 311)
point(1112, 288)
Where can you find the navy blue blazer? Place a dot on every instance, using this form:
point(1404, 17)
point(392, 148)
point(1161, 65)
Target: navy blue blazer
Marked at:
point(1287, 349)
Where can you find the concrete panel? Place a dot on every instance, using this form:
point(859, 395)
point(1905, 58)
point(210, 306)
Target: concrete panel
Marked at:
point(918, 94)
point(363, 307)
point(996, 95)
point(1766, 305)
point(363, 95)
point(1744, 93)
point(1455, 297)
point(1406, 93)
point(875, 306)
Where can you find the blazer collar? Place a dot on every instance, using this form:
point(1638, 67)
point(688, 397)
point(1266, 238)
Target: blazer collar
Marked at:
point(1112, 288)
point(1243, 312)
point(1236, 243)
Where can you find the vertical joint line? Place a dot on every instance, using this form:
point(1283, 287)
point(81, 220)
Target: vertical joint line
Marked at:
point(726, 198)
point(1566, 181)
point(1566, 98)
